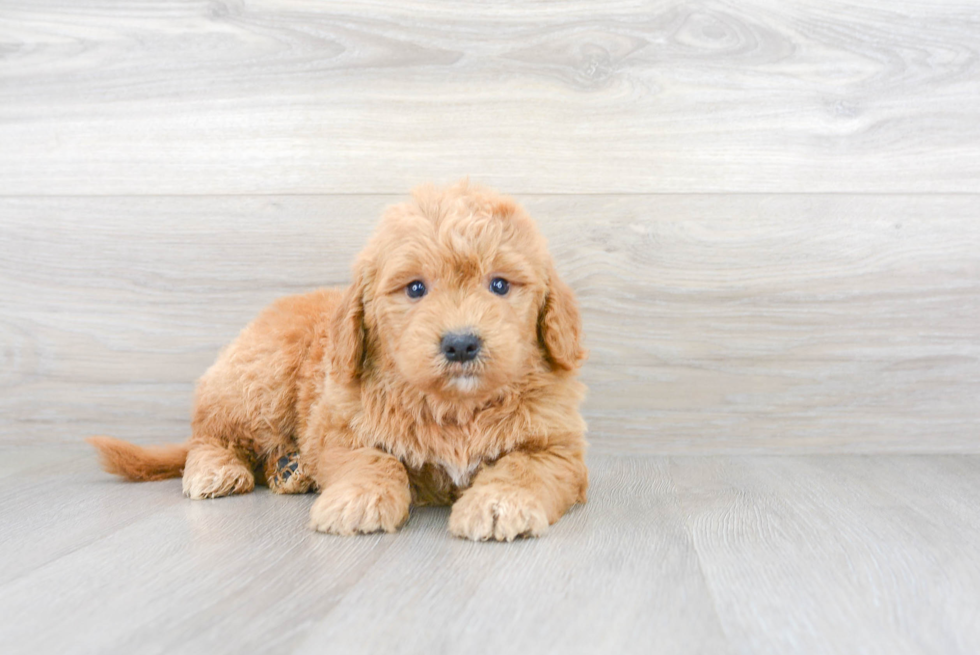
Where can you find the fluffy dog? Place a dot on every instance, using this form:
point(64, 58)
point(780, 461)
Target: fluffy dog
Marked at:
point(445, 374)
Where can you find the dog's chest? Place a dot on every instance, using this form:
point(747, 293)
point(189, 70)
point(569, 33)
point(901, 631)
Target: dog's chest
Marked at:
point(459, 451)
point(460, 473)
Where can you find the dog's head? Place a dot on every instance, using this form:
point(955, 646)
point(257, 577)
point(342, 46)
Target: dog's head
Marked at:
point(457, 296)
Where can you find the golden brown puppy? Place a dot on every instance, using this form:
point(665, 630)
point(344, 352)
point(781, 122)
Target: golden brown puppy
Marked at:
point(445, 374)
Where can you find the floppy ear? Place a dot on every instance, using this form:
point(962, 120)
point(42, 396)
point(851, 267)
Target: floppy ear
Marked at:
point(560, 326)
point(347, 334)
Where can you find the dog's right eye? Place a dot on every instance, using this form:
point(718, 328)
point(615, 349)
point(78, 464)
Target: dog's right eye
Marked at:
point(415, 289)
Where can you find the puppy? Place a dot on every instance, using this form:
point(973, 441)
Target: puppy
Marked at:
point(445, 374)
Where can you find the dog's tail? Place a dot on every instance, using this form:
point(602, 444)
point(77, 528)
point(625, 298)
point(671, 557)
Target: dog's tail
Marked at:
point(138, 464)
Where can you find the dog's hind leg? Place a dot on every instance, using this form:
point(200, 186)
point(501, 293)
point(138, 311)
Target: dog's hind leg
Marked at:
point(245, 406)
point(213, 471)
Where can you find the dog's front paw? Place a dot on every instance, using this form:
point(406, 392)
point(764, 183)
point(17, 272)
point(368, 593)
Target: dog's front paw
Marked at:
point(346, 508)
point(497, 512)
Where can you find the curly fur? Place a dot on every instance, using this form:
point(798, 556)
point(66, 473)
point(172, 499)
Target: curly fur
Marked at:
point(354, 381)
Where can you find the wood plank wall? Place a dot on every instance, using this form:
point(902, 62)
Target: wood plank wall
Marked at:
point(770, 210)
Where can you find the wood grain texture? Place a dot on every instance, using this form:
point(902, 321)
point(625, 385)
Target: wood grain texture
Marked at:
point(715, 322)
point(792, 547)
point(280, 96)
point(714, 555)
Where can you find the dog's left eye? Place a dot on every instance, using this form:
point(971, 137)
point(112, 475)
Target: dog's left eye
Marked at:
point(415, 289)
point(499, 286)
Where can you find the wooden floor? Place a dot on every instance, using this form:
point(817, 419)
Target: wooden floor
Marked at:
point(688, 554)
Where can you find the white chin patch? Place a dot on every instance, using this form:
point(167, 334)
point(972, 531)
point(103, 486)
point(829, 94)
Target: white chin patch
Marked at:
point(464, 383)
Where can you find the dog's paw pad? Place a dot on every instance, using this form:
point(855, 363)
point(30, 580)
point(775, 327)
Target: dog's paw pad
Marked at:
point(286, 466)
point(286, 476)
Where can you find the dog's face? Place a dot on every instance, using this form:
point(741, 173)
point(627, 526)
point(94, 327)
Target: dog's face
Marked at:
point(456, 295)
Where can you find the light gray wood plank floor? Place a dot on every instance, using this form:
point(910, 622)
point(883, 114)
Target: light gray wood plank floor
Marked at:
point(686, 554)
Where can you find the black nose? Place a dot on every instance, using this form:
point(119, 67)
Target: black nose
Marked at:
point(460, 346)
